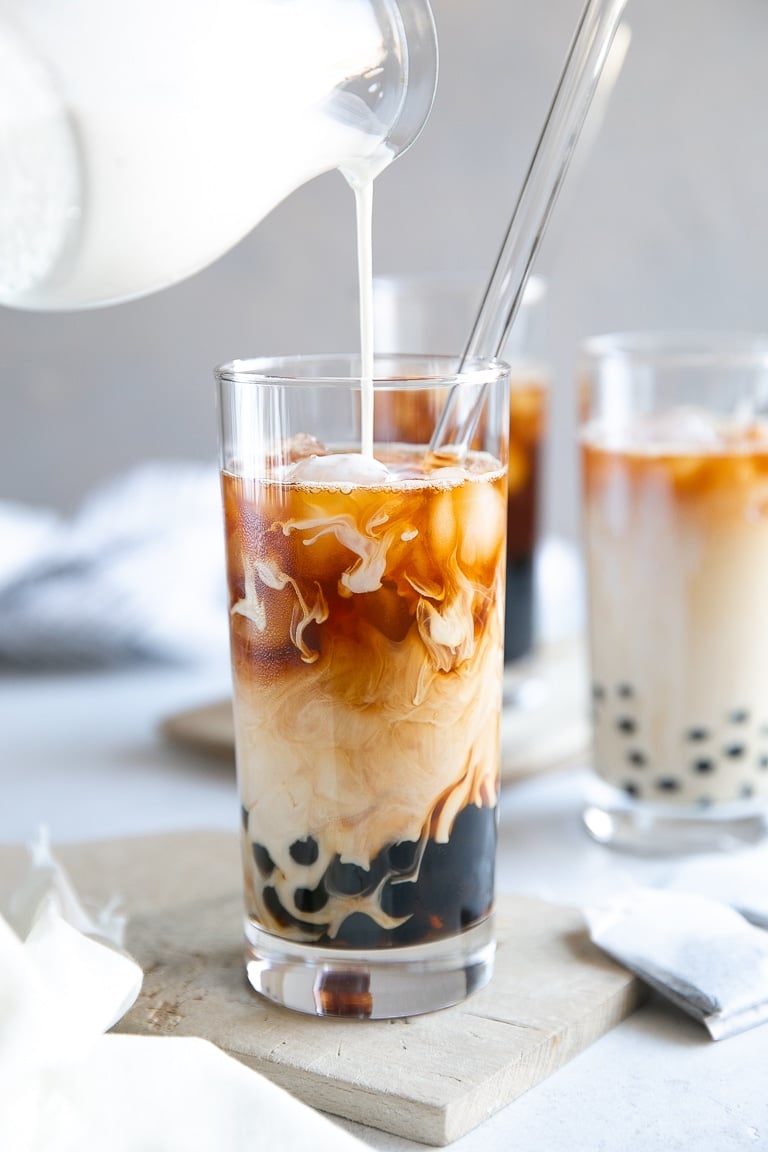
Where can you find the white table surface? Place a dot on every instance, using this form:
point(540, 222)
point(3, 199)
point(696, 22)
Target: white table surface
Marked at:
point(80, 752)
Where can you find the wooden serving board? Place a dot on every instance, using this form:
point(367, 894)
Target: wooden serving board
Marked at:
point(430, 1078)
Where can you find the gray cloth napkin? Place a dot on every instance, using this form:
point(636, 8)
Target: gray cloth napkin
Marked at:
point(700, 954)
point(137, 573)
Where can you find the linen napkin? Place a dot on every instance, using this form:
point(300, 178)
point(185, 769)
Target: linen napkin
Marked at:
point(66, 1085)
point(136, 574)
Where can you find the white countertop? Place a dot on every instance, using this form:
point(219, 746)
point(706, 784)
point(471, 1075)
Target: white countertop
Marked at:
point(80, 752)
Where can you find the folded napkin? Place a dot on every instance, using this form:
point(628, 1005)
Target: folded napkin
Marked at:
point(700, 954)
point(66, 1086)
point(740, 880)
point(137, 573)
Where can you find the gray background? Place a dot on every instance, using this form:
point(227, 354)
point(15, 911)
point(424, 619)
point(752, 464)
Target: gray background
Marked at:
point(663, 224)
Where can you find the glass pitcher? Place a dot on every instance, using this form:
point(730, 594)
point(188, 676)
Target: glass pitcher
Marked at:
point(141, 139)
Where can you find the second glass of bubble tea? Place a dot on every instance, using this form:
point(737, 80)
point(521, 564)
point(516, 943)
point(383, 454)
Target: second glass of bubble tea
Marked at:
point(674, 452)
point(415, 313)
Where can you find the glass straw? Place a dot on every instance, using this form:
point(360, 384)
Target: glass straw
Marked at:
point(580, 76)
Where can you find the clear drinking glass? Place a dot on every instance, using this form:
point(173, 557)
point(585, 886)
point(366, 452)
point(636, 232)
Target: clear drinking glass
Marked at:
point(366, 610)
point(675, 516)
point(417, 313)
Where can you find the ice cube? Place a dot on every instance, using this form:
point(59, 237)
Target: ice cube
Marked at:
point(340, 468)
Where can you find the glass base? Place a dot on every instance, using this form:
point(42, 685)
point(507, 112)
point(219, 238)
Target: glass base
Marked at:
point(615, 819)
point(370, 985)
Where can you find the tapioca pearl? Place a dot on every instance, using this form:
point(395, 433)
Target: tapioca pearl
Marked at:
point(402, 856)
point(704, 766)
point(244, 817)
point(625, 691)
point(637, 758)
point(738, 716)
point(399, 898)
point(735, 751)
point(263, 860)
point(304, 852)
point(746, 792)
point(275, 908)
point(668, 784)
point(626, 725)
point(348, 879)
point(598, 693)
point(310, 899)
point(281, 915)
point(632, 789)
point(762, 763)
point(697, 735)
point(360, 931)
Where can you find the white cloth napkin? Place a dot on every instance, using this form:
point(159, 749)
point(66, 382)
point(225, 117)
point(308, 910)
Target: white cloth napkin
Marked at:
point(137, 573)
point(66, 1086)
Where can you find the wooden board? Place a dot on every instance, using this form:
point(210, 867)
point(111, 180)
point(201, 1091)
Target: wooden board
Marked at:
point(544, 724)
point(430, 1078)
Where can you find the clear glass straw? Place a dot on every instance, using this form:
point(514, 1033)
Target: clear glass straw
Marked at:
point(580, 76)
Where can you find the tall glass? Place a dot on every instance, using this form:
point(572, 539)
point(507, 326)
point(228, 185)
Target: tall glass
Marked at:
point(675, 475)
point(366, 612)
point(416, 313)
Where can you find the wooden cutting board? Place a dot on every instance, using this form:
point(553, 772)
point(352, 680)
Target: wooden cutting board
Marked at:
point(430, 1078)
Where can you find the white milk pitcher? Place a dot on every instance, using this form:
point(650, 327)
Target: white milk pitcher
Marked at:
point(141, 139)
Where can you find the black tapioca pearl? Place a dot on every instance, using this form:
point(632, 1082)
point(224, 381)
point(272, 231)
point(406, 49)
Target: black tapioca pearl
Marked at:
point(704, 766)
point(625, 691)
point(263, 860)
point(626, 725)
point(402, 856)
point(281, 914)
point(399, 899)
point(348, 879)
point(632, 790)
point(637, 758)
point(739, 716)
point(310, 899)
point(305, 852)
point(275, 908)
point(762, 762)
point(746, 792)
point(244, 817)
point(734, 751)
point(598, 692)
point(668, 784)
point(360, 931)
point(697, 735)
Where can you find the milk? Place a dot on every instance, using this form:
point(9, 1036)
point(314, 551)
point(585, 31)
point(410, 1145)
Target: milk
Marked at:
point(141, 139)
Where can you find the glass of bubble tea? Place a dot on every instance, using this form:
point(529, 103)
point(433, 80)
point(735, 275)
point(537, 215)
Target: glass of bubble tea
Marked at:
point(366, 607)
point(674, 453)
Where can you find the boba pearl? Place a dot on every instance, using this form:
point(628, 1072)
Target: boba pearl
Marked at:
point(263, 860)
point(304, 852)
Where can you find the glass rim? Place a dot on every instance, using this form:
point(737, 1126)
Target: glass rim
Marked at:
point(286, 371)
point(681, 348)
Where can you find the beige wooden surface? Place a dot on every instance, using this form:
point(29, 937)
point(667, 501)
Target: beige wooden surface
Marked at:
point(431, 1078)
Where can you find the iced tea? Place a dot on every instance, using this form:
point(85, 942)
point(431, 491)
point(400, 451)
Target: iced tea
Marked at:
point(366, 608)
point(676, 533)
